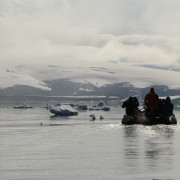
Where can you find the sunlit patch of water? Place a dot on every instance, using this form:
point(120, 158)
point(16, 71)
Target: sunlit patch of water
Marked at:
point(148, 132)
point(112, 126)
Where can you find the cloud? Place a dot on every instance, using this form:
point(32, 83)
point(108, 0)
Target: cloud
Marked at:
point(59, 31)
point(143, 49)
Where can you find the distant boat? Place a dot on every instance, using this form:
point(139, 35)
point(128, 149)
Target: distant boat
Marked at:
point(24, 106)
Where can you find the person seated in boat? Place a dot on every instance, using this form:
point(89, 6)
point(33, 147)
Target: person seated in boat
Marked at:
point(151, 102)
point(131, 105)
point(168, 107)
point(160, 106)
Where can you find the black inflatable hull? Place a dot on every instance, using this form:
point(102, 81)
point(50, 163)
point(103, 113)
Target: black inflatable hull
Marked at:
point(167, 120)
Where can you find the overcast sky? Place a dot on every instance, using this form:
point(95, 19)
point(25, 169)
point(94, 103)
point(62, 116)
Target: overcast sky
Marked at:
point(63, 31)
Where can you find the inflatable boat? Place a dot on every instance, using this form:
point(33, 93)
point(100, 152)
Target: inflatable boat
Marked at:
point(167, 120)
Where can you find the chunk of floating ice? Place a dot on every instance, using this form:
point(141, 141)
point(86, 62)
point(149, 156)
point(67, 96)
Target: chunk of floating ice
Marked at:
point(63, 110)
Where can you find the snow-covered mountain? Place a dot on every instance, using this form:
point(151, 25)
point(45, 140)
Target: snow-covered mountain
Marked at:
point(108, 79)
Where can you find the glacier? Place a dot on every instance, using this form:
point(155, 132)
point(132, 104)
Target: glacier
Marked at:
point(90, 79)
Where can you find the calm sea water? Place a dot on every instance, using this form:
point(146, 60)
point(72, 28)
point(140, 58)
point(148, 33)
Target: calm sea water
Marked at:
point(70, 148)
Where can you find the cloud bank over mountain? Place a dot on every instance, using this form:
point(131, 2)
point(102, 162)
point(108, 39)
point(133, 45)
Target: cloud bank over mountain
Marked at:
point(81, 47)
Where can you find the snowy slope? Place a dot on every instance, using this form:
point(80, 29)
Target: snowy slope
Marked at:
point(20, 76)
point(97, 74)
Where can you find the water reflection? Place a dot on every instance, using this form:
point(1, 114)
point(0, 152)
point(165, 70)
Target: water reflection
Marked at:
point(159, 150)
point(149, 148)
point(130, 131)
point(131, 147)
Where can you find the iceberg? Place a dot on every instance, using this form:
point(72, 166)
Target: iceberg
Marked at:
point(24, 106)
point(63, 110)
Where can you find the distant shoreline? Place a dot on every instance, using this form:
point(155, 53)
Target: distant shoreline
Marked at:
point(56, 98)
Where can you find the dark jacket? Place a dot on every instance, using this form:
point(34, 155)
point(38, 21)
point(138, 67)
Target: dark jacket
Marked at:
point(131, 105)
point(168, 109)
point(151, 100)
